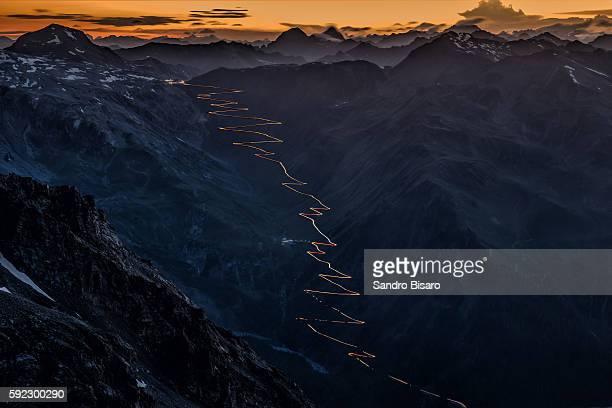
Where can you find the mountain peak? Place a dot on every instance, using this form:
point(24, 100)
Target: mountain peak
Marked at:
point(464, 28)
point(293, 33)
point(546, 36)
point(604, 41)
point(57, 41)
point(332, 32)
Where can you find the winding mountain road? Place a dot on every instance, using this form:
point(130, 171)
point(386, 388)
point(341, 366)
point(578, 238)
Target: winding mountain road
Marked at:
point(229, 108)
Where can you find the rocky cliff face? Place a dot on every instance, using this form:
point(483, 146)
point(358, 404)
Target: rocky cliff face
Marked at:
point(80, 310)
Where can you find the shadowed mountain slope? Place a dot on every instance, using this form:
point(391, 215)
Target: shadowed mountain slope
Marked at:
point(108, 325)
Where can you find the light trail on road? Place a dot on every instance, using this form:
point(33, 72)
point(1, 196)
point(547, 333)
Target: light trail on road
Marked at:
point(230, 108)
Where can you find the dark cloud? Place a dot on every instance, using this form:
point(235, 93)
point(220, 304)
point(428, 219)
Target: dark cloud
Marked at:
point(588, 12)
point(133, 21)
point(40, 10)
point(497, 15)
point(49, 16)
point(430, 27)
point(584, 29)
point(103, 21)
point(220, 13)
point(350, 29)
point(14, 32)
point(471, 21)
point(496, 11)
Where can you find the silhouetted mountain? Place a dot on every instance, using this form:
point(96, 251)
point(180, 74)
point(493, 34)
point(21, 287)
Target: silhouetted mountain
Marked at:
point(398, 39)
point(371, 53)
point(104, 322)
point(5, 42)
point(117, 42)
point(296, 42)
point(192, 39)
point(161, 70)
point(579, 46)
point(456, 52)
point(120, 41)
point(318, 81)
point(604, 41)
point(452, 52)
point(208, 57)
point(550, 38)
point(530, 46)
point(332, 34)
point(56, 41)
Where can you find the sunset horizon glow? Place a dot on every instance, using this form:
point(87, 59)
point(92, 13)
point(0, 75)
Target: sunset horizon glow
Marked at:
point(265, 19)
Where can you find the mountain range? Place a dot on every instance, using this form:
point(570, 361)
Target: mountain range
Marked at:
point(603, 41)
point(205, 58)
point(117, 41)
point(466, 141)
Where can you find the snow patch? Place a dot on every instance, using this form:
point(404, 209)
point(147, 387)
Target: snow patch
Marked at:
point(72, 77)
point(21, 276)
point(146, 78)
point(572, 73)
point(141, 384)
point(110, 79)
point(3, 289)
point(69, 34)
point(55, 40)
point(597, 72)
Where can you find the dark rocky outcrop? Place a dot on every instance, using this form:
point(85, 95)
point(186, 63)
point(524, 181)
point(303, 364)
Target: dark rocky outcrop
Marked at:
point(116, 333)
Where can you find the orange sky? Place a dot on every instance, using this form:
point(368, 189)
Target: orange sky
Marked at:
point(264, 18)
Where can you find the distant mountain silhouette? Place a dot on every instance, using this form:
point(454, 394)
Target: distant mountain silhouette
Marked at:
point(120, 41)
point(604, 41)
point(207, 57)
point(451, 52)
point(397, 39)
point(56, 41)
point(331, 34)
point(371, 53)
point(296, 42)
point(550, 38)
point(5, 42)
